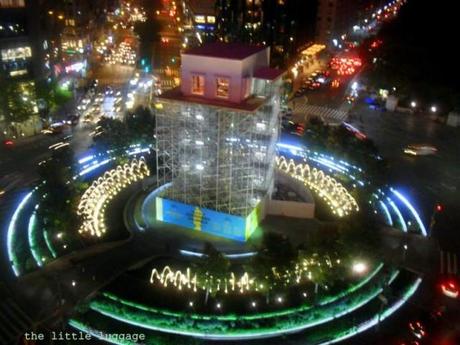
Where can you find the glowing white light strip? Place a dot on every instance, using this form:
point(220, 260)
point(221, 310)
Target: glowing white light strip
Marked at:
point(190, 253)
point(398, 213)
point(12, 229)
point(387, 213)
point(230, 256)
point(30, 231)
point(136, 151)
point(85, 159)
point(376, 319)
point(411, 209)
point(93, 167)
point(96, 334)
point(291, 147)
point(241, 255)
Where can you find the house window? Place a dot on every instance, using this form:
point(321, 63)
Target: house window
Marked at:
point(222, 87)
point(198, 84)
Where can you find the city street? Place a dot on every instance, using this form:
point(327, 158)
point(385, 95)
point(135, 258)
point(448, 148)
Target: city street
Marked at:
point(190, 177)
point(426, 179)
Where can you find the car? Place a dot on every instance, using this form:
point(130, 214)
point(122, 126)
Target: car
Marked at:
point(300, 92)
point(286, 115)
point(8, 143)
point(420, 150)
point(88, 119)
point(450, 289)
point(293, 127)
point(417, 329)
point(72, 120)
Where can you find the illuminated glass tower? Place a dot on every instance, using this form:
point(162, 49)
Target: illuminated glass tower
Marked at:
point(216, 137)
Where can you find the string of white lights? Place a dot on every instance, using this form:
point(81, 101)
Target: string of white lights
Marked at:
point(93, 203)
point(334, 193)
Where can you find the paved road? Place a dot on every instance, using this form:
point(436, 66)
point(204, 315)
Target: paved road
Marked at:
point(426, 179)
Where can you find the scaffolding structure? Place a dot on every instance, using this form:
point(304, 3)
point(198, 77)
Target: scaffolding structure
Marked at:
point(219, 158)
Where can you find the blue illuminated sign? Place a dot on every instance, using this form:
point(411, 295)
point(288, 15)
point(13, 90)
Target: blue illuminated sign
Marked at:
point(202, 219)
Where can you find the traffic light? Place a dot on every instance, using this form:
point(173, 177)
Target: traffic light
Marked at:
point(439, 208)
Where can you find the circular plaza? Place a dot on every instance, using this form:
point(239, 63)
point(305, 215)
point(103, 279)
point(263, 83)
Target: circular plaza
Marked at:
point(309, 270)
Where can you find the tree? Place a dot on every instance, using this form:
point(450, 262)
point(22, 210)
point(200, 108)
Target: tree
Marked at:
point(212, 270)
point(57, 212)
point(16, 101)
point(138, 128)
point(359, 234)
point(141, 125)
point(339, 140)
point(51, 94)
point(274, 258)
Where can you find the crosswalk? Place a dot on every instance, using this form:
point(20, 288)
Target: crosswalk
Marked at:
point(448, 263)
point(327, 115)
point(13, 320)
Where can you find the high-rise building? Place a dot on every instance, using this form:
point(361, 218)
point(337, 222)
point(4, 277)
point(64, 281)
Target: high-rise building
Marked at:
point(216, 138)
point(23, 48)
point(284, 25)
point(336, 17)
point(201, 15)
point(22, 42)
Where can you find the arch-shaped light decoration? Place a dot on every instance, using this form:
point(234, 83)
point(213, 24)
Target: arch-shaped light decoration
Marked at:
point(334, 193)
point(93, 203)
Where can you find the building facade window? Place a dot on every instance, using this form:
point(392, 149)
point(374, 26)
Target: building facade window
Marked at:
point(12, 3)
point(200, 19)
point(197, 84)
point(222, 87)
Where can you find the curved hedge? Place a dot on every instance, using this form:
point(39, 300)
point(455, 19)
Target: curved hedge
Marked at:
point(233, 326)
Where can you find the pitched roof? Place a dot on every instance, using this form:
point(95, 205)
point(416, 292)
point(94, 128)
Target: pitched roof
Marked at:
point(233, 51)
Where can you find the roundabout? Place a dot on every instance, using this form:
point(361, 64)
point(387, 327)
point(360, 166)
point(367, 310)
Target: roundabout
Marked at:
point(293, 276)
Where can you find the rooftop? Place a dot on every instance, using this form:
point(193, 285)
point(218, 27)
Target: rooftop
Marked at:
point(250, 104)
point(268, 73)
point(233, 51)
point(202, 6)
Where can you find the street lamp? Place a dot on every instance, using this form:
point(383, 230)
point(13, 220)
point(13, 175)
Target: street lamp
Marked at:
point(413, 104)
point(433, 109)
point(405, 248)
point(359, 267)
